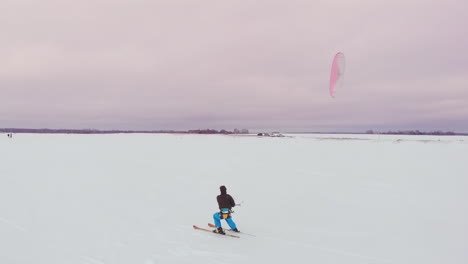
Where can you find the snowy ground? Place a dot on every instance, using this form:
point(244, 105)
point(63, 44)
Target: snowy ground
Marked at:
point(133, 198)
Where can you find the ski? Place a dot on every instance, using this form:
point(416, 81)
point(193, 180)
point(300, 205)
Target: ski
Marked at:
point(211, 225)
point(211, 231)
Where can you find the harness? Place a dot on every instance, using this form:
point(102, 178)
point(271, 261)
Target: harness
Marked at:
point(225, 213)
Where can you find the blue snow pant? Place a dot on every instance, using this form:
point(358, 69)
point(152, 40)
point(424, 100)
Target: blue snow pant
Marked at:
point(217, 220)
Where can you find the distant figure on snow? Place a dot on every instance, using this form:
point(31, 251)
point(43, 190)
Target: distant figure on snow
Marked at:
point(225, 204)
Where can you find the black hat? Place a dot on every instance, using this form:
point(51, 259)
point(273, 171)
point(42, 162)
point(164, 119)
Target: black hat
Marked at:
point(222, 188)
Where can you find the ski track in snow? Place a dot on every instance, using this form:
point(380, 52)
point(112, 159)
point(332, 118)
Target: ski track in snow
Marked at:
point(339, 252)
point(91, 260)
point(13, 225)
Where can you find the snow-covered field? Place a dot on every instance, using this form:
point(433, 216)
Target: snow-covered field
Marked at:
point(133, 198)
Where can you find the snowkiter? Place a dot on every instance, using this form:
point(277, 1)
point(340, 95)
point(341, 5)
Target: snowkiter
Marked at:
point(225, 204)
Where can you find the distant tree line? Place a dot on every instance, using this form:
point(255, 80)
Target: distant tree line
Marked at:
point(222, 131)
point(96, 131)
point(415, 132)
point(76, 131)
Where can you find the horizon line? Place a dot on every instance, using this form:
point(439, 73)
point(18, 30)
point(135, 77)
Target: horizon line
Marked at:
point(213, 131)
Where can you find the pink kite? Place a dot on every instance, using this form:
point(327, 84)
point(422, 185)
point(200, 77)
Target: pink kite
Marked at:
point(337, 71)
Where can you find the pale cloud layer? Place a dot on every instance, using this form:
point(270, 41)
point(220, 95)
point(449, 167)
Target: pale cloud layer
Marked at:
point(232, 64)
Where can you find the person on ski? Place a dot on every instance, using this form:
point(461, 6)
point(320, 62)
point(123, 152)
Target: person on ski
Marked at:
point(225, 204)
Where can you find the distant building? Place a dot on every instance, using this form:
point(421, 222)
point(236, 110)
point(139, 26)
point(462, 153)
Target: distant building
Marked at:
point(276, 134)
point(272, 134)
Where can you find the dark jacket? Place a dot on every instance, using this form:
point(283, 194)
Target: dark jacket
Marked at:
point(225, 200)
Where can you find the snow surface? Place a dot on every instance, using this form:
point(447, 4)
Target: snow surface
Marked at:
point(133, 198)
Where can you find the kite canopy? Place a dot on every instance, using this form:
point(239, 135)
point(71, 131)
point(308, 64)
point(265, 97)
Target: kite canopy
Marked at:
point(337, 71)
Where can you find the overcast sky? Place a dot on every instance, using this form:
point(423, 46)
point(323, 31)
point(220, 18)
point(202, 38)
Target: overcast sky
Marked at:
point(261, 65)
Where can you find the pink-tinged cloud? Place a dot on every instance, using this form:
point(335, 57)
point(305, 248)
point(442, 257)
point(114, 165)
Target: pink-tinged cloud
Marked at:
point(226, 64)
